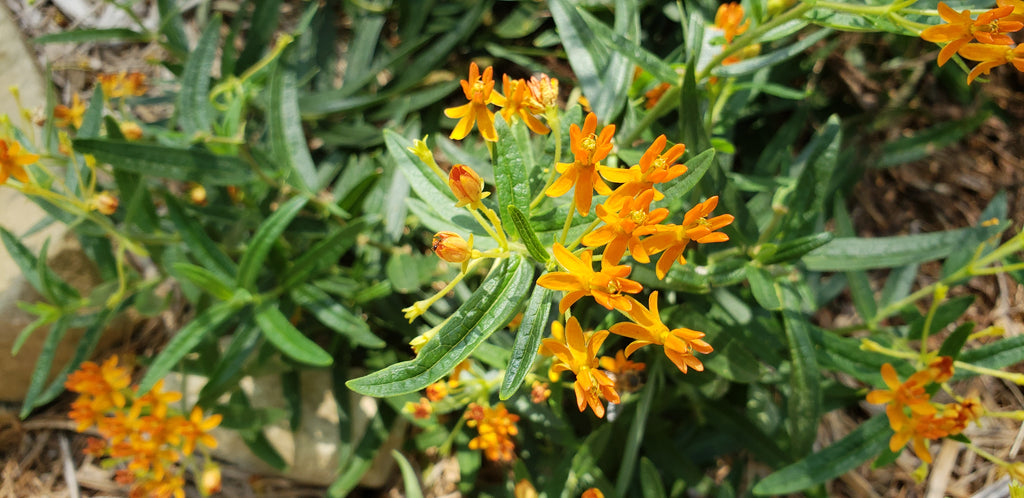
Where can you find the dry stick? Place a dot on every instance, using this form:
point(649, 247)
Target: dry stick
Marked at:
point(69, 467)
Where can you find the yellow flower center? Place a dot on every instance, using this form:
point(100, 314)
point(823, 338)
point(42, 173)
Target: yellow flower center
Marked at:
point(638, 217)
point(613, 286)
point(589, 143)
point(658, 163)
point(478, 91)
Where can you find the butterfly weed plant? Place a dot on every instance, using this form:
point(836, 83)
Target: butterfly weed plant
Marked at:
point(624, 277)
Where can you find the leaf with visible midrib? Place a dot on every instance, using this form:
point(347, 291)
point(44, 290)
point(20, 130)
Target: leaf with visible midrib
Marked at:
point(491, 307)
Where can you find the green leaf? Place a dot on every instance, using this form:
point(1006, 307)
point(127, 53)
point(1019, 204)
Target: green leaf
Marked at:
point(527, 235)
point(797, 248)
point(43, 364)
point(285, 126)
point(187, 339)
point(264, 238)
point(855, 253)
point(635, 437)
point(288, 339)
point(604, 76)
point(650, 480)
point(30, 328)
point(997, 355)
point(954, 344)
point(217, 285)
point(92, 35)
point(804, 406)
point(696, 168)
point(927, 142)
point(323, 254)
point(201, 246)
point(524, 350)
point(229, 370)
point(512, 163)
point(265, 17)
point(410, 481)
point(755, 64)
point(193, 102)
point(334, 316)
point(352, 469)
point(858, 446)
point(91, 121)
point(763, 287)
point(434, 192)
point(490, 307)
point(86, 345)
point(629, 49)
point(163, 161)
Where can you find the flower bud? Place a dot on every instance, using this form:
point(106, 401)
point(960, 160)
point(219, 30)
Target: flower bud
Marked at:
point(467, 186)
point(131, 130)
point(197, 194)
point(451, 247)
point(105, 203)
point(209, 483)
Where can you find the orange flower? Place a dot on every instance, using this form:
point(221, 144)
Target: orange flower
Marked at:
point(626, 373)
point(539, 391)
point(467, 186)
point(520, 103)
point(196, 430)
point(728, 20)
point(961, 29)
point(672, 239)
point(606, 286)
point(13, 160)
point(1018, 9)
point(544, 91)
point(653, 168)
point(437, 391)
point(122, 84)
point(623, 229)
point(578, 354)
point(420, 410)
point(910, 394)
point(64, 115)
point(991, 56)
point(131, 130)
point(495, 427)
point(654, 95)
point(104, 202)
point(480, 92)
point(647, 328)
point(592, 493)
point(453, 378)
point(588, 149)
point(450, 247)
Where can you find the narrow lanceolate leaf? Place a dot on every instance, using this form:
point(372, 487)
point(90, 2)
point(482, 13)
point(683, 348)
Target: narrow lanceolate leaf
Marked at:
point(209, 281)
point(757, 63)
point(527, 235)
point(193, 105)
point(805, 398)
point(513, 159)
point(335, 316)
point(286, 135)
point(524, 351)
point(163, 161)
point(288, 339)
point(857, 447)
point(186, 339)
point(92, 35)
point(695, 169)
point(409, 479)
point(795, 249)
point(490, 307)
point(427, 185)
point(263, 240)
point(322, 254)
point(43, 365)
point(762, 286)
point(201, 246)
point(855, 253)
point(629, 49)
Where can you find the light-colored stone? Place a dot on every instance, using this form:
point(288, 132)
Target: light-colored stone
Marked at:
point(311, 452)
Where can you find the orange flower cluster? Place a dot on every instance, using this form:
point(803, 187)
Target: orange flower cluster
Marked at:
point(495, 427)
point(522, 100)
point(13, 160)
point(123, 84)
point(629, 226)
point(994, 48)
point(926, 420)
point(729, 19)
point(153, 441)
point(64, 116)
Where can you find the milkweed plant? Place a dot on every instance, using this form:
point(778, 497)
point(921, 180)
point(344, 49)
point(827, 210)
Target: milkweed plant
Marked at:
point(608, 260)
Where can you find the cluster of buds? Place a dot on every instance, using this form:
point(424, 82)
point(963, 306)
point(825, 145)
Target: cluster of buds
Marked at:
point(151, 441)
point(495, 428)
point(913, 416)
point(994, 46)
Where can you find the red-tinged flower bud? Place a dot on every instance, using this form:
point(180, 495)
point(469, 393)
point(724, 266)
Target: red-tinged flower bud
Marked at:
point(209, 483)
point(467, 186)
point(105, 203)
point(451, 247)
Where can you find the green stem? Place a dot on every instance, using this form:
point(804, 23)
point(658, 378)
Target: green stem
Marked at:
point(556, 135)
point(579, 240)
point(1016, 378)
point(568, 223)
